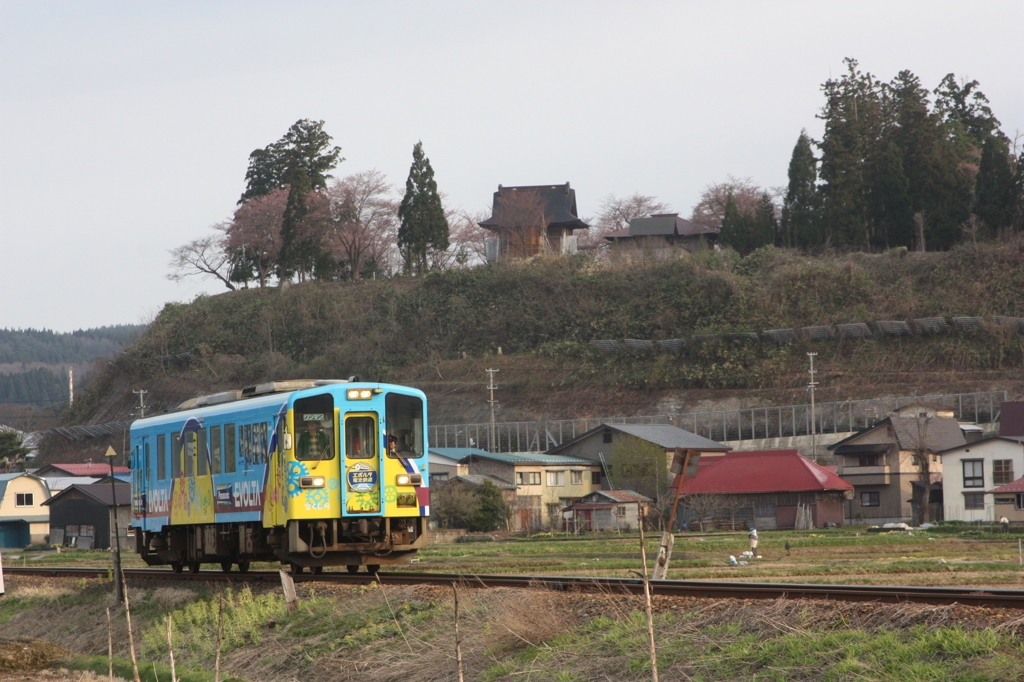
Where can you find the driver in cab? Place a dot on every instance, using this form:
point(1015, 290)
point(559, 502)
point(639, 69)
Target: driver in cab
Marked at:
point(313, 442)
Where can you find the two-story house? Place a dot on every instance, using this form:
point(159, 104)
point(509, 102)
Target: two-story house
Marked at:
point(886, 460)
point(23, 518)
point(545, 484)
point(972, 470)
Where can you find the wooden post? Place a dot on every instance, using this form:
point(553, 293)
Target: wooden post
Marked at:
point(458, 644)
point(647, 606)
point(288, 586)
point(684, 465)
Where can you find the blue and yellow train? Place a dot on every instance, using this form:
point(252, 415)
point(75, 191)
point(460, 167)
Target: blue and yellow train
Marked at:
point(308, 473)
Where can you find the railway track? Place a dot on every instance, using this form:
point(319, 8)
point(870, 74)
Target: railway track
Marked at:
point(970, 596)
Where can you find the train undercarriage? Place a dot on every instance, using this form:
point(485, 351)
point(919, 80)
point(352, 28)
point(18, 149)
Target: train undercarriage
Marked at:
point(306, 544)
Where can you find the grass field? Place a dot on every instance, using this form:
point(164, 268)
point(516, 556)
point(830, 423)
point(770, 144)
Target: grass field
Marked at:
point(407, 633)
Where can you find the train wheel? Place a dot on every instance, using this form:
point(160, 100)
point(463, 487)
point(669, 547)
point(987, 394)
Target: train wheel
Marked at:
point(176, 567)
point(372, 568)
point(193, 567)
point(296, 569)
point(243, 566)
point(352, 568)
point(225, 566)
point(316, 570)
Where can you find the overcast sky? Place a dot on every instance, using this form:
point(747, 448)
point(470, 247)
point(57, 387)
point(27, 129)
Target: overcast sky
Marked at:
point(126, 127)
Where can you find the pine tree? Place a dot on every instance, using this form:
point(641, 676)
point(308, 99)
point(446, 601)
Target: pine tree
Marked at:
point(888, 200)
point(995, 199)
point(800, 206)
point(424, 225)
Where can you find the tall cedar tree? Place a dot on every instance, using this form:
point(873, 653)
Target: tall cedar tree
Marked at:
point(424, 225)
point(889, 200)
point(299, 162)
point(800, 205)
point(995, 191)
point(853, 120)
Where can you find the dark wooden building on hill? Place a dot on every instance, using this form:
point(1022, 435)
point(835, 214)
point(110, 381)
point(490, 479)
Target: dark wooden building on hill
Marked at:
point(661, 233)
point(531, 220)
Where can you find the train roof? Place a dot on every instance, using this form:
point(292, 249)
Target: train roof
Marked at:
point(250, 396)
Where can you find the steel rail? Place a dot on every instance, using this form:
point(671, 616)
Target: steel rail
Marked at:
point(970, 596)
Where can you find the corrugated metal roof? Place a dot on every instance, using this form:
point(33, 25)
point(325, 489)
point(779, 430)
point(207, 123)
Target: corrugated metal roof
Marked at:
point(620, 496)
point(478, 479)
point(101, 492)
point(533, 458)
point(85, 469)
point(668, 437)
point(764, 471)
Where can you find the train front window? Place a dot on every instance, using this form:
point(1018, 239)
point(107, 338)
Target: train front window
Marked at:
point(314, 428)
point(404, 419)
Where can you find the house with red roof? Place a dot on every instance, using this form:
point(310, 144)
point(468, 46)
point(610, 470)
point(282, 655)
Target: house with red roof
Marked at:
point(766, 489)
point(1008, 501)
point(93, 469)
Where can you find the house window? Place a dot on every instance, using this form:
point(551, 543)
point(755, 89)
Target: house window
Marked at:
point(974, 500)
point(24, 500)
point(1002, 471)
point(556, 479)
point(1020, 501)
point(868, 460)
point(767, 510)
point(607, 436)
point(87, 531)
point(595, 477)
point(527, 478)
point(974, 476)
point(439, 477)
point(577, 477)
point(70, 531)
point(869, 499)
point(620, 511)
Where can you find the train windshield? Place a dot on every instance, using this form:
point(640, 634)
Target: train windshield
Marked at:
point(404, 418)
point(314, 426)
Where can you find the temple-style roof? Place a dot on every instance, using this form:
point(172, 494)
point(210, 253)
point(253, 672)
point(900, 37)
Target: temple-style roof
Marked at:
point(661, 225)
point(559, 209)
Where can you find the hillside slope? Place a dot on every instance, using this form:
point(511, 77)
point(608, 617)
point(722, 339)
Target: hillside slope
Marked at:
point(534, 320)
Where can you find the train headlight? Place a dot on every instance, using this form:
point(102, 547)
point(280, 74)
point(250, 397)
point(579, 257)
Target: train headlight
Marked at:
point(359, 393)
point(312, 482)
point(409, 479)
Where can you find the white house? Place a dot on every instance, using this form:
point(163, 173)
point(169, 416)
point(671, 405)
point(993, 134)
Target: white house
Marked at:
point(972, 470)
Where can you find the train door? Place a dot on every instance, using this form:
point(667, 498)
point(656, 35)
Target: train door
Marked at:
point(140, 478)
point(362, 464)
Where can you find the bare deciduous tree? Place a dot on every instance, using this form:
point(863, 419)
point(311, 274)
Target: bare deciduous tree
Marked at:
point(204, 257)
point(710, 210)
point(364, 221)
point(616, 213)
point(703, 507)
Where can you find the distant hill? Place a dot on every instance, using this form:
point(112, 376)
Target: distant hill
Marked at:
point(534, 320)
point(34, 367)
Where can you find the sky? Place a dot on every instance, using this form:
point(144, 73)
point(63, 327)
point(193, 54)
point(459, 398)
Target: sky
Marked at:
point(126, 126)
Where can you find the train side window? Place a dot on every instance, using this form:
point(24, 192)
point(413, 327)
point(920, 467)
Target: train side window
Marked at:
point(229, 449)
point(202, 454)
point(190, 453)
point(263, 442)
point(175, 455)
point(245, 442)
point(216, 452)
point(360, 438)
point(161, 457)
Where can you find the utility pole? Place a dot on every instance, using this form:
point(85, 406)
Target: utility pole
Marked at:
point(491, 402)
point(811, 385)
point(71, 387)
point(142, 402)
